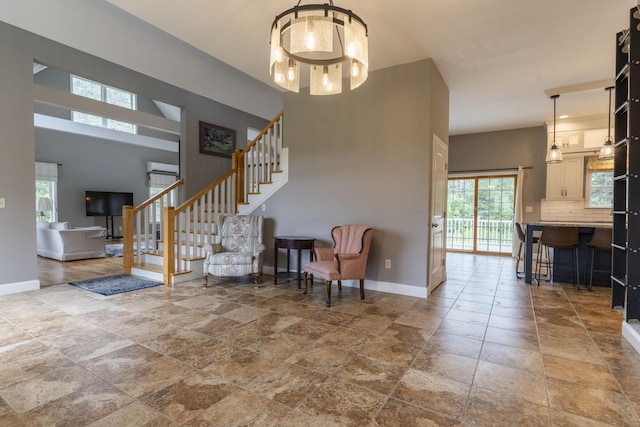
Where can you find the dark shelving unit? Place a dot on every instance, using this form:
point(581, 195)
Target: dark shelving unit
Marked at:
point(625, 258)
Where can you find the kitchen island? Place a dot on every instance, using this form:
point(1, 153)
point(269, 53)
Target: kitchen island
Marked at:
point(563, 260)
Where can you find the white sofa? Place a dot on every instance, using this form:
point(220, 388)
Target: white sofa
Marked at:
point(59, 241)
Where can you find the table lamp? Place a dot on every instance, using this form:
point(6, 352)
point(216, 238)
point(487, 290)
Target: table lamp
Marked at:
point(44, 205)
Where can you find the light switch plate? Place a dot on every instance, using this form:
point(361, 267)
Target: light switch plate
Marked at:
point(529, 209)
point(1, 202)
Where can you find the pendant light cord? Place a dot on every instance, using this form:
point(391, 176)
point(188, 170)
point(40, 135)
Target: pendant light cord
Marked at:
point(554, 120)
point(554, 97)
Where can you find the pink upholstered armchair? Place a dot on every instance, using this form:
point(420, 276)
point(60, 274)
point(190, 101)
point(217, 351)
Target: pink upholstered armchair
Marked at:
point(347, 260)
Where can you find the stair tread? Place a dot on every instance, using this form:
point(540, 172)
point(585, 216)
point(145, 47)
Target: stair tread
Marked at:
point(180, 273)
point(197, 232)
point(156, 252)
point(184, 258)
point(148, 267)
point(157, 269)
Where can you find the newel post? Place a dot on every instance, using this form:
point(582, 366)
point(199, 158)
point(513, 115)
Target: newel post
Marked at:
point(237, 163)
point(168, 247)
point(127, 230)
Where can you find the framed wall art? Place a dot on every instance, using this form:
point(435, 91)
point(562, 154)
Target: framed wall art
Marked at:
point(217, 140)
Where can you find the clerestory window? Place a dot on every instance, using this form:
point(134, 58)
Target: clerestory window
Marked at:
point(90, 89)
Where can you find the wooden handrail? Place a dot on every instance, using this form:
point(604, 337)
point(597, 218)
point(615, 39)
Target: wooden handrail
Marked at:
point(204, 191)
point(263, 133)
point(158, 196)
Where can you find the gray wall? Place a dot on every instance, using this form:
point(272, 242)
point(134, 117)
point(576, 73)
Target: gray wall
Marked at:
point(17, 170)
point(365, 157)
point(505, 149)
point(18, 50)
point(106, 31)
point(95, 164)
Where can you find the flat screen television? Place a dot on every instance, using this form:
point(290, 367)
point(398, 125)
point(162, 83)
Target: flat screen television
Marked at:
point(106, 203)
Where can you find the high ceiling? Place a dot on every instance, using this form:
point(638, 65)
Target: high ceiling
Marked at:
point(497, 56)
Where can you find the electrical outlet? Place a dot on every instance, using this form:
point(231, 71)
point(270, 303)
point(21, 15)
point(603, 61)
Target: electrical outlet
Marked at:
point(387, 263)
point(264, 207)
point(528, 209)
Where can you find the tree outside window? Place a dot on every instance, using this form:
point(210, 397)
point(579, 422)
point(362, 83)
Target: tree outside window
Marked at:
point(600, 192)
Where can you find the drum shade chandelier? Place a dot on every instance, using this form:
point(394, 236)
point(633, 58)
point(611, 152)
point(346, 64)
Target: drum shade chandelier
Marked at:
point(324, 37)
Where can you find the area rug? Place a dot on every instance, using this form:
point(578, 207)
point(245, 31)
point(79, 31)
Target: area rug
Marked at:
point(111, 285)
point(117, 249)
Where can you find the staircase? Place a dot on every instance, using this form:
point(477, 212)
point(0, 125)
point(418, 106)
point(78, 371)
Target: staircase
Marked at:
point(257, 173)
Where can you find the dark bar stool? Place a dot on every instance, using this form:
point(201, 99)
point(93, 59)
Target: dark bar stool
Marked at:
point(558, 238)
point(600, 241)
point(521, 238)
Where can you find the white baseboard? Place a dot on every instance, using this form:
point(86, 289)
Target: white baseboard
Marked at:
point(631, 332)
point(391, 288)
point(374, 285)
point(14, 288)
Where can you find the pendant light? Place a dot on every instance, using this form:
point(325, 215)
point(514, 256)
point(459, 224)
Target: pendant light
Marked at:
point(606, 152)
point(554, 155)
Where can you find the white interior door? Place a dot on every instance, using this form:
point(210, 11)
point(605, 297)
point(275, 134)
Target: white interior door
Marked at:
point(437, 246)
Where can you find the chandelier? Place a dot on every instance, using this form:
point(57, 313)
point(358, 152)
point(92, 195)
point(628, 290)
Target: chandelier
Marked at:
point(305, 35)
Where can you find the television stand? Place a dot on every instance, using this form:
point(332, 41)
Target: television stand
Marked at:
point(110, 230)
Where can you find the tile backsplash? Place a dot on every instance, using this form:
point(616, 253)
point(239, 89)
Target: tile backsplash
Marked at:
point(572, 210)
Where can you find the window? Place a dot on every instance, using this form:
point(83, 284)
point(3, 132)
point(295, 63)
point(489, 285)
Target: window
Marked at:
point(103, 93)
point(47, 188)
point(157, 184)
point(599, 188)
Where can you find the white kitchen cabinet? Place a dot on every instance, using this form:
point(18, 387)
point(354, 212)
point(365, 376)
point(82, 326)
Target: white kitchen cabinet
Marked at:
point(564, 180)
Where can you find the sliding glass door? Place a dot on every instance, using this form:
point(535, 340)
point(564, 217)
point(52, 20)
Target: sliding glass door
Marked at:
point(461, 225)
point(480, 214)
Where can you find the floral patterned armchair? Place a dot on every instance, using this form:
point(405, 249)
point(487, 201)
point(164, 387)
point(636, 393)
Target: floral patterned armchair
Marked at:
point(237, 250)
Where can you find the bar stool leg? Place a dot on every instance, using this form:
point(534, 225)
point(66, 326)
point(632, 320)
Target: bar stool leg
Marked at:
point(591, 256)
point(518, 261)
point(577, 267)
point(542, 248)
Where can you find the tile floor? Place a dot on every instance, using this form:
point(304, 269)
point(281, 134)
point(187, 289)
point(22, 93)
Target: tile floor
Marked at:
point(485, 349)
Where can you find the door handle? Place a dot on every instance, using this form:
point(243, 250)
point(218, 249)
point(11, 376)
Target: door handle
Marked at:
point(434, 225)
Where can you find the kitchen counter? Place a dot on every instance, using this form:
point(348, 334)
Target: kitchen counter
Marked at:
point(584, 228)
point(594, 224)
